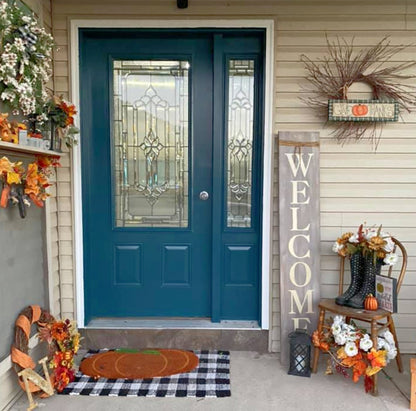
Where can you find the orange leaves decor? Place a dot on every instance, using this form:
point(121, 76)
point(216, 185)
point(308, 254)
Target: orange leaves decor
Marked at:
point(34, 179)
point(9, 131)
point(64, 339)
point(352, 351)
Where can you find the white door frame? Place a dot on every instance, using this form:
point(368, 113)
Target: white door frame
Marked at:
point(76, 24)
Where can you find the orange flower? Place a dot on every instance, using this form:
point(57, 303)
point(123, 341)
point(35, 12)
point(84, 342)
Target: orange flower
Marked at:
point(70, 111)
point(377, 358)
point(341, 354)
point(376, 243)
point(60, 331)
point(358, 370)
point(352, 361)
point(316, 338)
point(381, 254)
point(324, 346)
point(344, 238)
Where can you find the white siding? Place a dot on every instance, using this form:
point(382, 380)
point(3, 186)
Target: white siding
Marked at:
point(357, 185)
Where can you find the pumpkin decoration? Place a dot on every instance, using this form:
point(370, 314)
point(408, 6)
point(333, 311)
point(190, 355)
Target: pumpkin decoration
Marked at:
point(370, 303)
point(133, 364)
point(360, 110)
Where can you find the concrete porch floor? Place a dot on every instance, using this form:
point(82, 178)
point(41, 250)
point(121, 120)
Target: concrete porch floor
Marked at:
point(260, 383)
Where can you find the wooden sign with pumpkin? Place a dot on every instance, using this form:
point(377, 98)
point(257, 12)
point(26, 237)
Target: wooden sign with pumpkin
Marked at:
point(362, 110)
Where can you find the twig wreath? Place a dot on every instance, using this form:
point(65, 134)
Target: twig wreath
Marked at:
point(62, 338)
point(331, 77)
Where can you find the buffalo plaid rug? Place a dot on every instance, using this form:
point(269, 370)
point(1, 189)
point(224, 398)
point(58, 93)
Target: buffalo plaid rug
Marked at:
point(210, 379)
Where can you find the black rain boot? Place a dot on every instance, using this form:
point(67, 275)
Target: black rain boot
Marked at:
point(357, 277)
point(369, 284)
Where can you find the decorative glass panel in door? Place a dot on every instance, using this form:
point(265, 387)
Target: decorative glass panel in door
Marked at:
point(240, 142)
point(151, 143)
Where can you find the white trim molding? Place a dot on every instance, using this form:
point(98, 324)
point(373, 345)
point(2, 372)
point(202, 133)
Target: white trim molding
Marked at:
point(75, 25)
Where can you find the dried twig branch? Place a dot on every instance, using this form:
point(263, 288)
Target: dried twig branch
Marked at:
point(332, 76)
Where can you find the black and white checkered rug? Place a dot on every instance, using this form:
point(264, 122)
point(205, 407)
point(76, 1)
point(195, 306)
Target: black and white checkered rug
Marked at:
point(210, 379)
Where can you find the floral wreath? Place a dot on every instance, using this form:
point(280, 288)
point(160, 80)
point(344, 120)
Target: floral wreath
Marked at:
point(62, 338)
point(25, 61)
point(351, 348)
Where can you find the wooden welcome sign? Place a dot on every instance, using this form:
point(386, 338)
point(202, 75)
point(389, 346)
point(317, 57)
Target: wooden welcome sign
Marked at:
point(299, 233)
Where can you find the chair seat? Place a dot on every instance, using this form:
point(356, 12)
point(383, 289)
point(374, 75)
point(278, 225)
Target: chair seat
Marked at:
point(357, 313)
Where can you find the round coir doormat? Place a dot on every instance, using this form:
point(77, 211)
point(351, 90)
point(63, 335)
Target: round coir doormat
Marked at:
point(142, 364)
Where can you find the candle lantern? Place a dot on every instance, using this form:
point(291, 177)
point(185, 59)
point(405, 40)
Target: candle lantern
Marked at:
point(300, 353)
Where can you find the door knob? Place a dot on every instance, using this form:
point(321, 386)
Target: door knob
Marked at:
point(203, 195)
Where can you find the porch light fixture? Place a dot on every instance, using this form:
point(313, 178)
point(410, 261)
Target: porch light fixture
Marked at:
point(300, 353)
point(182, 4)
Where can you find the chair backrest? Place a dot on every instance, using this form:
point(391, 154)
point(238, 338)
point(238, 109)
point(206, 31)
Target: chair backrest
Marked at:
point(400, 278)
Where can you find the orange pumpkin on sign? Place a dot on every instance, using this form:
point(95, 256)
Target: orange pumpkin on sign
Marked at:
point(360, 110)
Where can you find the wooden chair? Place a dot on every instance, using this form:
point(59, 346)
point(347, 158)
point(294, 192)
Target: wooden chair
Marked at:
point(379, 320)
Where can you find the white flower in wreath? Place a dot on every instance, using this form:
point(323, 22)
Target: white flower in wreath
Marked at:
point(391, 353)
point(336, 329)
point(337, 246)
point(339, 320)
point(341, 338)
point(388, 336)
point(351, 349)
point(366, 343)
point(352, 336)
point(391, 259)
point(381, 343)
point(353, 239)
point(348, 327)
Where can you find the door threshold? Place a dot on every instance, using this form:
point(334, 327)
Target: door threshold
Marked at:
point(170, 323)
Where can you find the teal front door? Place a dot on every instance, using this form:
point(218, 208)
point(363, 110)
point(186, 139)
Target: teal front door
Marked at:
point(171, 125)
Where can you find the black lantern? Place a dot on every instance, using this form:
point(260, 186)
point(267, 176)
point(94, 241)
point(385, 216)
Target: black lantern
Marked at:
point(300, 353)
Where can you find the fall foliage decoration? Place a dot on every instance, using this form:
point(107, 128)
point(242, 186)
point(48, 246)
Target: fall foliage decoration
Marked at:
point(20, 347)
point(61, 115)
point(24, 186)
point(367, 241)
point(370, 303)
point(9, 131)
point(352, 351)
point(330, 78)
point(62, 338)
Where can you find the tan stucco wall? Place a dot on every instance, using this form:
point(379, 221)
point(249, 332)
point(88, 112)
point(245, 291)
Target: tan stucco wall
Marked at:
point(356, 184)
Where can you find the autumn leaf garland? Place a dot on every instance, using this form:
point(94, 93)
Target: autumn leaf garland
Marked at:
point(35, 178)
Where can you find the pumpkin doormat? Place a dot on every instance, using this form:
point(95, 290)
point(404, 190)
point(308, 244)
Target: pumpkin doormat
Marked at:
point(211, 378)
point(135, 364)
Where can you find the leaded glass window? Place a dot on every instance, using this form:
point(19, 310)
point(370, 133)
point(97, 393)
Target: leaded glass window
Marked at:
point(240, 142)
point(150, 137)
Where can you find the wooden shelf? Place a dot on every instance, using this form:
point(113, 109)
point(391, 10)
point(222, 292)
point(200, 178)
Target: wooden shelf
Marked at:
point(26, 150)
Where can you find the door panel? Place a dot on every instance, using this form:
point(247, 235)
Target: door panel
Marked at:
point(167, 115)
